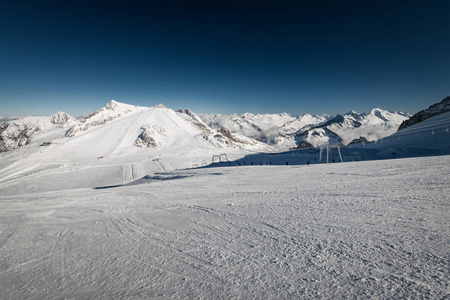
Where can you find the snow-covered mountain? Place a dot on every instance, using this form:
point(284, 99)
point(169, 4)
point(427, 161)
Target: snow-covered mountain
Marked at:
point(20, 131)
point(433, 110)
point(120, 128)
point(276, 130)
point(345, 129)
point(120, 142)
point(154, 127)
point(285, 131)
point(148, 129)
point(111, 111)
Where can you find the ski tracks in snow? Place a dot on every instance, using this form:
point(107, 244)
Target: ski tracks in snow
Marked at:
point(132, 172)
point(370, 230)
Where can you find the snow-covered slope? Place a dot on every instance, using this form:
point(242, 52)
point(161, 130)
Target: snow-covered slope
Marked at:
point(433, 110)
point(366, 230)
point(427, 137)
point(285, 131)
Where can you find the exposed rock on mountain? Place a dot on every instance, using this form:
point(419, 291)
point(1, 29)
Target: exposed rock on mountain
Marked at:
point(147, 137)
point(433, 110)
point(223, 137)
point(304, 144)
point(195, 120)
point(358, 141)
point(111, 111)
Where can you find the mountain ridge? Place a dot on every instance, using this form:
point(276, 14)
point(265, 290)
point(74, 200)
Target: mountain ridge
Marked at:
point(433, 110)
point(281, 131)
point(284, 131)
point(141, 127)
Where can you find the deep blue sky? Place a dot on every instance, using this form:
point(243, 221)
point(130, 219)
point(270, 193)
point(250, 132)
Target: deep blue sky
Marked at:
point(224, 56)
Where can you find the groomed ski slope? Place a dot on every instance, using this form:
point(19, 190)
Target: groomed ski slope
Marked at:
point(357, 230)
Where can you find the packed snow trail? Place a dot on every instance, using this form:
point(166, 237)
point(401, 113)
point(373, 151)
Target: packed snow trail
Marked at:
point(374, 229)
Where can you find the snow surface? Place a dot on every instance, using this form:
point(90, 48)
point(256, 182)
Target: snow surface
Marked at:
point(375, 229)
point(429, 136)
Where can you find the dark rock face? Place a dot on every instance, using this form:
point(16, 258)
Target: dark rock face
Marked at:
point(433, 110)
point(304, 144)
point(359, 140)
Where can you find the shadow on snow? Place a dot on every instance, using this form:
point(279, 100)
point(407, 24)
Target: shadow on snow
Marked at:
point(155, 177)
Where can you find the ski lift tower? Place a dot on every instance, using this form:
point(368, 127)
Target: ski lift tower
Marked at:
point(329, 147)
point(220, 158)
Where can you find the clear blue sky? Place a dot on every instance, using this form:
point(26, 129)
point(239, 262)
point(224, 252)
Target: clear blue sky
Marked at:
point(224, 56)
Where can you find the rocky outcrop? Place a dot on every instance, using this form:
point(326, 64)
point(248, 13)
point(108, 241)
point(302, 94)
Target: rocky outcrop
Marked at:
point(304, 144)
point(433, 110)
point(13, 135)
point(145, 140)
point(149, 136)
point(358, 141)
point(195, 120)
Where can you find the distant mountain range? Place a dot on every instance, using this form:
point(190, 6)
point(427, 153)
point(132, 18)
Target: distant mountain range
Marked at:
point(284, 131)
point(121, 128)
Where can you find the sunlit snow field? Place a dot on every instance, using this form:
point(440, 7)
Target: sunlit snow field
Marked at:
point(372, 229)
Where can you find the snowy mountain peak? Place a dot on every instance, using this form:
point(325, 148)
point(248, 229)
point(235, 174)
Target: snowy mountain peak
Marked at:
point(62, 118)
point(379, 113)
point(114, 105)
point(160, 106)
point(353, 113)
point(112, 110)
